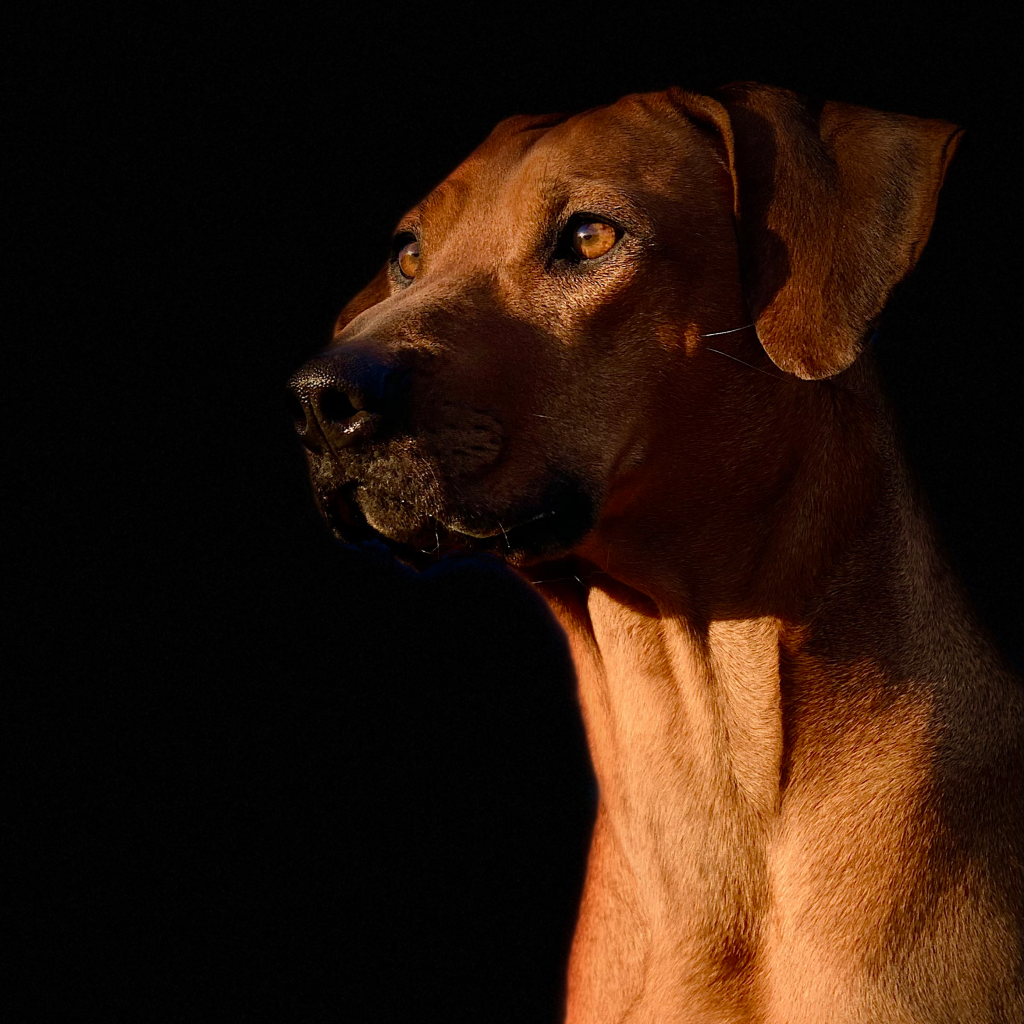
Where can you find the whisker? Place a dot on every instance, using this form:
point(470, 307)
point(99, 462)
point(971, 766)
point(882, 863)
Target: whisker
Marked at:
point(743, 363)
point(732, 330)
point(535, 518)
point(735, 330)
point(560, 579)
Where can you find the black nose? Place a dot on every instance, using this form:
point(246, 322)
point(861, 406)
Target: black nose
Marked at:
point(346, 397)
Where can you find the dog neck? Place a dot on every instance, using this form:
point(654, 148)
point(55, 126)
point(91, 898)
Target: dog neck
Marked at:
point(701, 609)
point(749, 707)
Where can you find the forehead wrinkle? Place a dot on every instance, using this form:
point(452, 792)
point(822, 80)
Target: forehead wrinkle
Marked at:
point(451, 195)
point(631, 141)
point(589, 191)
point(622, 162)
point(482, 176)
point(481, 196)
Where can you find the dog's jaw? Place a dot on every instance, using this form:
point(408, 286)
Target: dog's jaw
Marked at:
point(522, 536)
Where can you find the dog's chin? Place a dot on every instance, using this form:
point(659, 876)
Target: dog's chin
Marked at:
point(564, 516)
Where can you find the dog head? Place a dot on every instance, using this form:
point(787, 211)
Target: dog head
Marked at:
point(553, 317)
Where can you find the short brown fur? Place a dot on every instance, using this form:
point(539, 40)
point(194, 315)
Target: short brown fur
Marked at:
point(808, 753)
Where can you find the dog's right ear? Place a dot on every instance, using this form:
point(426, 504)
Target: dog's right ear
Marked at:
point(376, 291)
point(833, 204)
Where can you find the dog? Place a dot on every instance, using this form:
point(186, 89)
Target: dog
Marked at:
point(625, 350)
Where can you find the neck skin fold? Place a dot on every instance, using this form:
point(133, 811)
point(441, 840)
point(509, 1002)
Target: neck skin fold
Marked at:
point(760, 707)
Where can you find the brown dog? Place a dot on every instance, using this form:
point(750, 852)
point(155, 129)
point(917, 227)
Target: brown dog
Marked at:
point(622, 349)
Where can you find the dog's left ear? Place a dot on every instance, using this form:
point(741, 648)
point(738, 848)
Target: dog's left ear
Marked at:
point(833, 204)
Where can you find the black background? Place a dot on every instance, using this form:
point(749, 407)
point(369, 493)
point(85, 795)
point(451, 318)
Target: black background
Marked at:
point(260, 776)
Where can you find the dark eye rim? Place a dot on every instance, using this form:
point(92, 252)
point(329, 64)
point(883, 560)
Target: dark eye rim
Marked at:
point(398, 243)
point(565, 248)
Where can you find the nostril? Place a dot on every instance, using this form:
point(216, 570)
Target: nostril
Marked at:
point(345, 398)
point(335, 406)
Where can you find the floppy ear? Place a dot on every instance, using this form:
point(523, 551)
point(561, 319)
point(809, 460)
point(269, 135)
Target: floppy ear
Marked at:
point(833, 204)
point(376, 291)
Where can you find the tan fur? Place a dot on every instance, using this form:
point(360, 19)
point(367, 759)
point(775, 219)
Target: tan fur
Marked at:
point(809, 757)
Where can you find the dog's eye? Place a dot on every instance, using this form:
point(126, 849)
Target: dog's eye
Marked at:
point(593, 238)
point(408, 259)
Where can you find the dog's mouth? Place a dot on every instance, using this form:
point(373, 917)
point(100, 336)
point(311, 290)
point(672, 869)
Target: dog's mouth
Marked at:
point(566, 515)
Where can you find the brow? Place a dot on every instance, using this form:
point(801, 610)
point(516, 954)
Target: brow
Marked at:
point(448, 192)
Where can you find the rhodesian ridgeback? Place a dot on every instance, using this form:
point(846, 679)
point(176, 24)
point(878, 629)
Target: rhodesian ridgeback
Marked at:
point(625, 350)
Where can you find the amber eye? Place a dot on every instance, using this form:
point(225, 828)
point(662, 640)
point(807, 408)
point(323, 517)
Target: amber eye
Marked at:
point(409, 259)
point(593, 238)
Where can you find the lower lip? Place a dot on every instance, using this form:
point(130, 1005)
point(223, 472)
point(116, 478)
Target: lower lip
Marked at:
point(428, 547)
